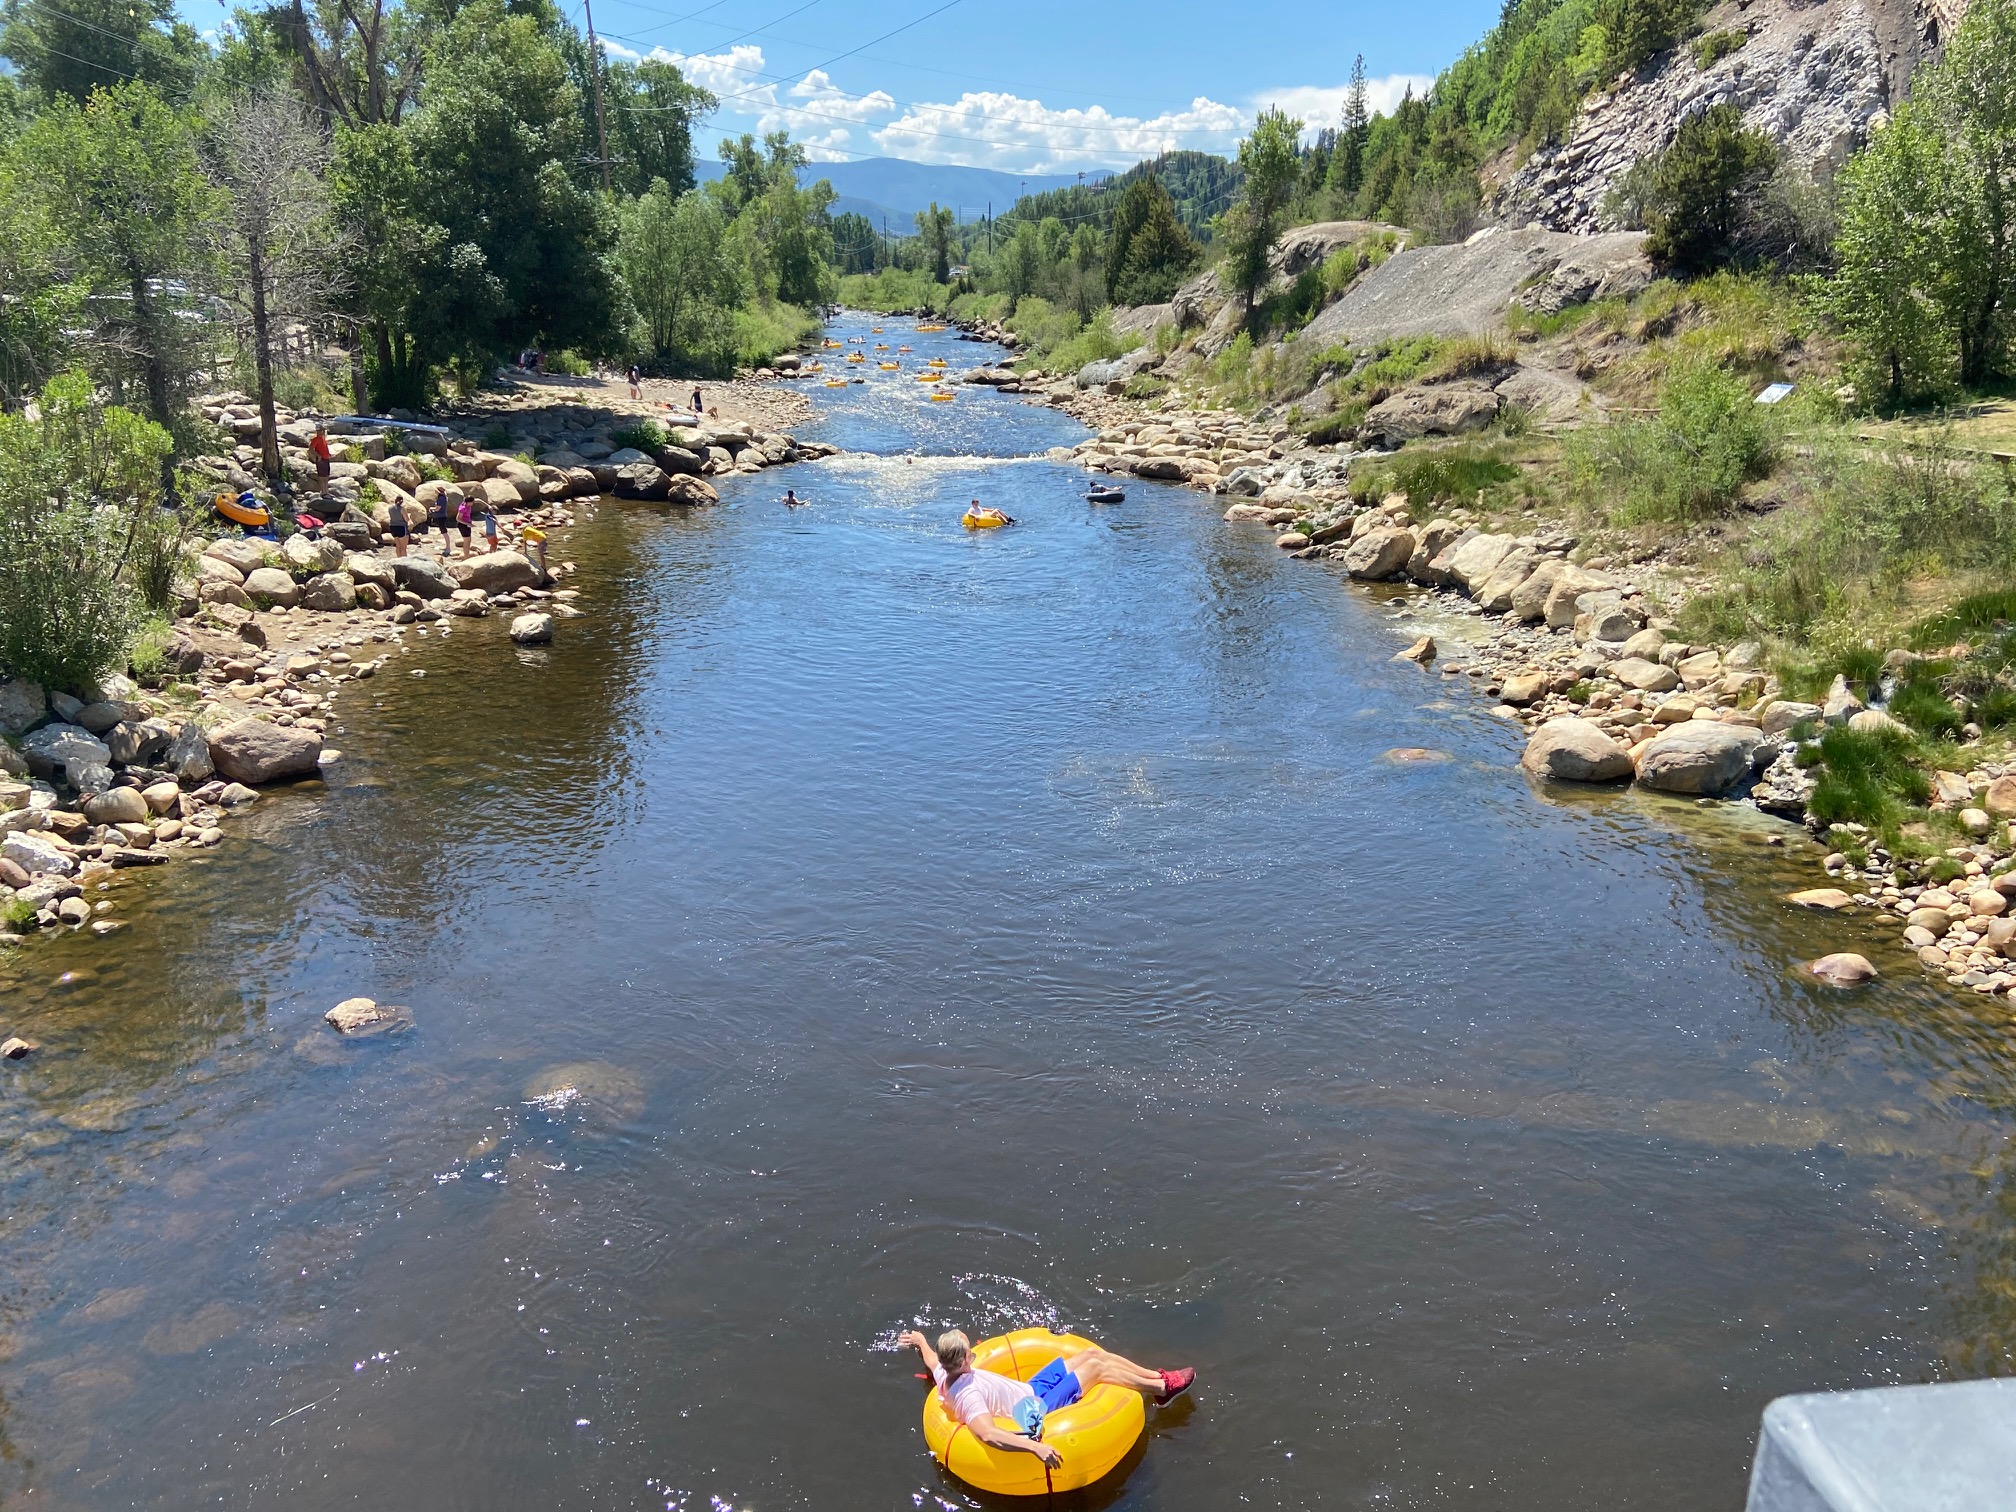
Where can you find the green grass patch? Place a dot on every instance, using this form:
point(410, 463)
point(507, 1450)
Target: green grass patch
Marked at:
point(1435, 475)
point(1920, 704)
point(1867, 778)
point(17, 914)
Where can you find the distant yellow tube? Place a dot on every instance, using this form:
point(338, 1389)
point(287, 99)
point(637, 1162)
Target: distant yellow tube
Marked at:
point(1093, 1434)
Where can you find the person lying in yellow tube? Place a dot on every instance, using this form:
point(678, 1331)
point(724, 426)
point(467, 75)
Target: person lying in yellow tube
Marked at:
point(976, 1397)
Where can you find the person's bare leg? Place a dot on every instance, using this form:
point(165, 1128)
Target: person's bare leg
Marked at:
point(1102, 1367)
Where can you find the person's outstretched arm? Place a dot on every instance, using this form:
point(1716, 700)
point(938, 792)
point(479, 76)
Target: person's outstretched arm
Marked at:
point(922, 1345)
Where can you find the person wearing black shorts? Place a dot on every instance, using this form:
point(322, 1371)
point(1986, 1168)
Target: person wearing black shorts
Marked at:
point(397, 529)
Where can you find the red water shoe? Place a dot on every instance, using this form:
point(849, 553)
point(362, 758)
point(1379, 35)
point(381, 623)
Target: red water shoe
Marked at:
point(1174, 1384)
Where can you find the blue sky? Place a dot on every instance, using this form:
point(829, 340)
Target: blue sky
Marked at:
point(1027, 86)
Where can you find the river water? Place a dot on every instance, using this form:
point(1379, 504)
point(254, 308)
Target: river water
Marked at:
point(859, 922)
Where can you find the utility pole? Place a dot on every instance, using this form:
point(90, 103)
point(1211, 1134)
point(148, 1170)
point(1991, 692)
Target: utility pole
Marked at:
point(595, 69)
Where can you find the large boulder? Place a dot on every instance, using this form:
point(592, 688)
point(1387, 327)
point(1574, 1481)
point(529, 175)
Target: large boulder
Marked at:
point(495, 572)
point(241, 552)
point(1645, 676)
point(188, 754)
point(23, 704)
point(532, 629)
point(1473, 559)
point(422, 575)
point(1570, 585)
point(521, 478)
point(690, 490)
point(1441, 409)
point(371, 569)
point(252, 751)
point(36, 854)
point(641, 480)
point(1575, 750)
point(1529, 599)
point(305, 555)
point(1494, 594)
point(119, 805)
point(269, 586)
point(1378, 554)
point(137, 740)
point(210, 569)
point(1701, 756)
point(330, 592)
point(52, 748)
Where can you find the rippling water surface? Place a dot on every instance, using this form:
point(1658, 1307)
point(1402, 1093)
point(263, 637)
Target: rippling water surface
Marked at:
point(859, 922)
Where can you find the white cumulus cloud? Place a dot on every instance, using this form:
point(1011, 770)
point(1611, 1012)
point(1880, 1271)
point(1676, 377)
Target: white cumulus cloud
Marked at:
point(1320, 105)
point(993, 130)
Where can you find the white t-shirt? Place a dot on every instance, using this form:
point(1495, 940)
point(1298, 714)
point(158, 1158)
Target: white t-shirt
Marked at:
point(979, 1396)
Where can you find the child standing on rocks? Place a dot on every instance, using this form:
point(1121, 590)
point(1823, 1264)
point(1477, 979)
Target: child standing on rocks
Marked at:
point(489, 525)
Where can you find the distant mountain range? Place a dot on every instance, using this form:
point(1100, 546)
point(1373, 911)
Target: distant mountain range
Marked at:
point(894, 190)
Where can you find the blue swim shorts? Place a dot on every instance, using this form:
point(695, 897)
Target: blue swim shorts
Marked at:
point(1055, 1386)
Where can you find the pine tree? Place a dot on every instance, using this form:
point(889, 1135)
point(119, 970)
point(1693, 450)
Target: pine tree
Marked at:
point(1347, 163)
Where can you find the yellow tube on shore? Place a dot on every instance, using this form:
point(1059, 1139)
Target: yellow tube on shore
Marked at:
point(1092, 1435)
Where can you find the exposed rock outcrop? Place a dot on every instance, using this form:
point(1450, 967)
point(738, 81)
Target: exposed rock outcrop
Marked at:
point(1814, 78)
point(1455, 290)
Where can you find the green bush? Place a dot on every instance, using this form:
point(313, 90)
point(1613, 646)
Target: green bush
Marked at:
point(82, 533)
point(643, 435)
point(568, 364)
point(1689, 463)
point(1712, 47)
point(1096, 342)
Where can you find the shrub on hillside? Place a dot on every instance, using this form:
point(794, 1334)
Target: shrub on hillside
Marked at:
point(84, 539)
point(1688, 462)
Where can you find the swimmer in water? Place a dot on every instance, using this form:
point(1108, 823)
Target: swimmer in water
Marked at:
point(791, 500)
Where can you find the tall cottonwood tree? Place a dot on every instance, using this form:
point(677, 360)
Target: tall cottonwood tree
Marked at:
point(283, 252)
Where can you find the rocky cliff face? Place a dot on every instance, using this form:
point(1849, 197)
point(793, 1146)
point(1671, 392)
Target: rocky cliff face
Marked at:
point(1815, 77)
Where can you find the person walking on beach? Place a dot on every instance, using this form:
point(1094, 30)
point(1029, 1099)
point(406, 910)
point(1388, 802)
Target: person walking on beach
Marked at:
point(976, 1397)
point(636, 382)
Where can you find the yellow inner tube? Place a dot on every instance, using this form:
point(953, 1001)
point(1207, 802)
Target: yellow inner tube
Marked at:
point(239, 514)
point(1093, 1434)
point(890, 367)
point(993, 519)
point(941, 398)
point(836, 383)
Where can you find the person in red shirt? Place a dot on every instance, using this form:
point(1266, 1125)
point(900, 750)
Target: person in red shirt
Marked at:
point(319, 449)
